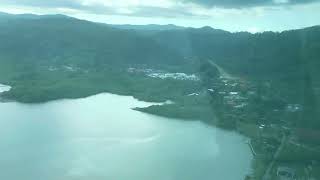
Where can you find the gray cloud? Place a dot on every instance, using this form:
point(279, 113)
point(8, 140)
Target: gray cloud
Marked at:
point(140, 11)
point(43, 3)
point(71, 4)
point(247, 3)
point(75, 4)
point(148, 11)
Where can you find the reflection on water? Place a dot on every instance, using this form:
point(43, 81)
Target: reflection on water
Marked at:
point(101, 137)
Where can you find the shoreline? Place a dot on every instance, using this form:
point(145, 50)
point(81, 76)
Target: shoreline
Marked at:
point(210, 122)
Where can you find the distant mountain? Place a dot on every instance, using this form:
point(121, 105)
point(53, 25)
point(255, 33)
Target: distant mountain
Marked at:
point(252, 55)
point(283, 57)
point(58, 38)
point(150, 27)
point(31, 16)
point(184, 40)
point(288, 62)
point(2, 14)
point(63, 40)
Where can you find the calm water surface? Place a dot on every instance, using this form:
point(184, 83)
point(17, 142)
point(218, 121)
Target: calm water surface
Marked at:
point(101, 138)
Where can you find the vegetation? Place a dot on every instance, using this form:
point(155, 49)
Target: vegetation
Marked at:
point(186, 108)
point(275, 93)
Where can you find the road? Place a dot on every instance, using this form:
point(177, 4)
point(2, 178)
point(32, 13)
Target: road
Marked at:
point(267, 174)
point(222, 72)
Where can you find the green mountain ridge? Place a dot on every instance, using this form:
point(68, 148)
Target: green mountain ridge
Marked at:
point(31, 42)
point(67, 40)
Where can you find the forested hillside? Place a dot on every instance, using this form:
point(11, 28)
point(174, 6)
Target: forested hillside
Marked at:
point(252, 55)
point(63, 40)
point(32, 46)
point(285, 58)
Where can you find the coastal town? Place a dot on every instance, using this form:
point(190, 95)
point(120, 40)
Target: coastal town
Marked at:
point(281, 151)
point(256, 110)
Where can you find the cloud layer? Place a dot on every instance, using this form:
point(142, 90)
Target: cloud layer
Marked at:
point(247, 3)
point(233, 15)
point(139, 7)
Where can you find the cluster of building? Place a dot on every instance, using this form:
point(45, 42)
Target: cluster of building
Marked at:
point(236, 100)
point(233, 93)
point(164, 75)
point(4, 88)
point(67, 68)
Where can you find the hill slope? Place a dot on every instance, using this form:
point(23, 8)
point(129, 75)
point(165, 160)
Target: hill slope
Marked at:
point(65, 40)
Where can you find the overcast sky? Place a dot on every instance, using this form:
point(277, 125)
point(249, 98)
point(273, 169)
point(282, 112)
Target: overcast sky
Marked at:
point(231, 15)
